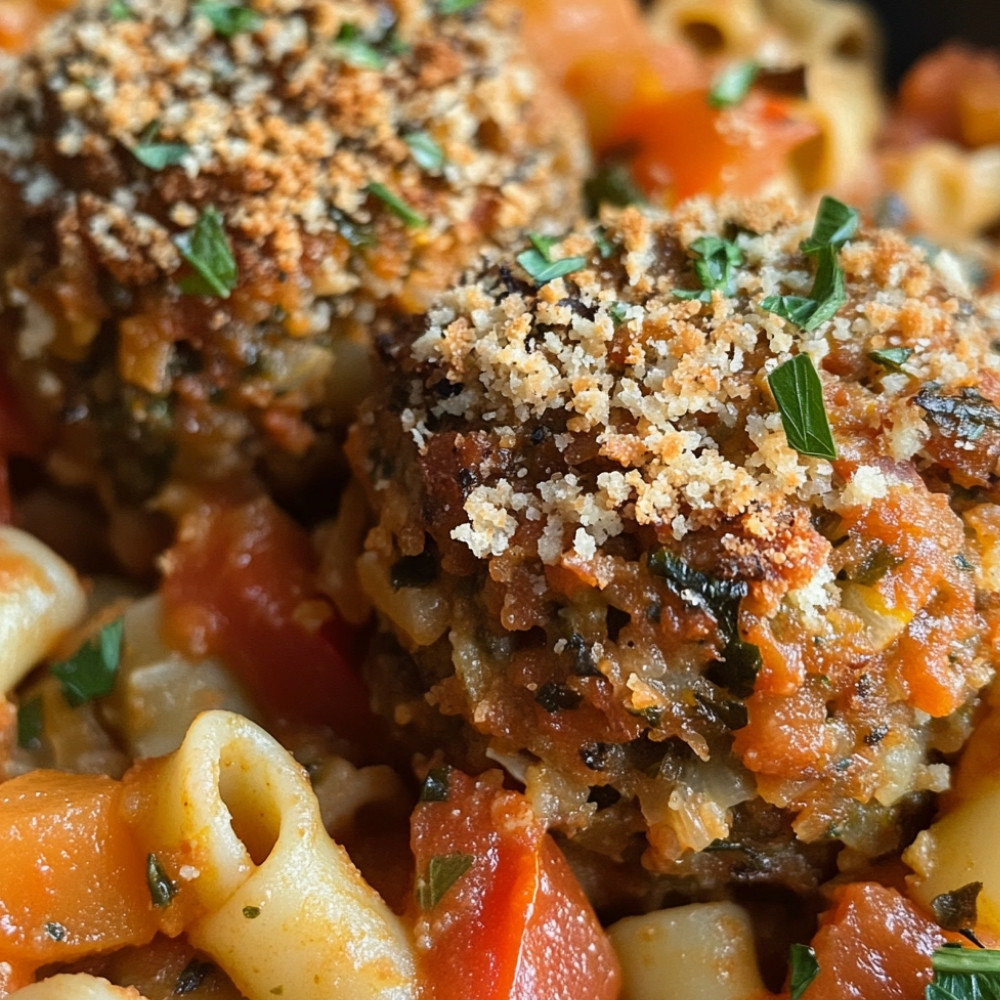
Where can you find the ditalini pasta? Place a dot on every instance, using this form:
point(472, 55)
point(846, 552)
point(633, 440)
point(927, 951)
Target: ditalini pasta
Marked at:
point(79, 986)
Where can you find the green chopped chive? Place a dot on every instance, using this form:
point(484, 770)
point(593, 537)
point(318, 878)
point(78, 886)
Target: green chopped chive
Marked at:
point(206, 248)
point(803, 969)
point(228, 19)
point(443, 871)
point(798, 394)
point(161, 888)
point(355, 50)
point(425, 151)
point(90, 673)
point(715, 266)
point(412, 218)
point(539, 264)
point(733, 84)
point(892, 358)
point(30, 723)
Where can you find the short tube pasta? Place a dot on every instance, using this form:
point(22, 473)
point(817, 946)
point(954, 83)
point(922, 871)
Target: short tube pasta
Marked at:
point(77, 986)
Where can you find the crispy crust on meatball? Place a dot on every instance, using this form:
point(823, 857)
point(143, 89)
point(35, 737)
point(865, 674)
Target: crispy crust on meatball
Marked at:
point(611, 570)
point(350, 155)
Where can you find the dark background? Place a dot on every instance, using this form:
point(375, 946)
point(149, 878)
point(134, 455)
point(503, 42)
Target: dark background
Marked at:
point(912, 27)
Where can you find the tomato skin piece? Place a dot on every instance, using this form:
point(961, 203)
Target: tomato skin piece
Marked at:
point(239, 585)
point(515, 925)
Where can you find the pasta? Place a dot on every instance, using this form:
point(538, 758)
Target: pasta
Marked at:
point(499, 499)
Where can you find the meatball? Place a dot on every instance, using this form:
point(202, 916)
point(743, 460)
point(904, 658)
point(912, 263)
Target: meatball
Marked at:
point(692, 521)
point(211, 208)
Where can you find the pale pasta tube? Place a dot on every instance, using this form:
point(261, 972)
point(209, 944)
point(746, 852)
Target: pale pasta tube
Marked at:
point(41, 598)
point(76, 986)
point(824, 30)
point(286, 909)
point(717, 27)
point(704, 950)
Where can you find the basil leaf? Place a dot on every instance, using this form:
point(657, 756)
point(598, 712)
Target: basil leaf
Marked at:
point(455, 6)
point(828, 288)
point(352, 48)
point(30, 723)
point(90, 673)
point(612, 184)
point(834, 225)
point(157, 155)
point(798, 394)
point(412, 218)
point(161, 888)
point(965, 974)
point(228, 19)
point(803, 969)
point(443, 871)
point(733, 84)
point(892, 358)
point(426, 152)
point(206, 248)
point(714, 265)
point(539, 264)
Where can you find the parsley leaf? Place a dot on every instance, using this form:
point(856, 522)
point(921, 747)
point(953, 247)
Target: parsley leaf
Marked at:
point(539, 264)
point(733, 84)
point(715, 265)
point(834, 225)
point(120, 11)
point(798, 394)
point(957, 910)
point(206, 248)
point(803, 969)
point(425, 151)
point(892, 358)
point(90, 673)
point(412, 218)
point(157, 155)
point(30, 723)
point(965, 974)
point(161, 888)
point(228, 19)
point(355, 50)
point(443, 871)
point(455, 6)
point(611, 184)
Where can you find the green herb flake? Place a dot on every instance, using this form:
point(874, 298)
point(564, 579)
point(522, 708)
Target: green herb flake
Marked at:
point(436, 785)
point(277, 990)
point(30, 723)
point(447, 7)
point(158, 155)
point(957, 910)
point(825, 298)
point(967, 415)
point(192, 976)
point(798, 394)
point(395, 204)
point(733, 84)
point(228, 19)
point(964, 974)
point(55, 931)
point(90, 673)
point(539, 264)
point(427, 154)
point(354, 49)
point(892, 358)
point(161, 888)
point(715, 266)
point(206, 248)
point(119, 10)
point(874, 566)
point(618, 312)
point(443, 871)
point(611, 184)
point(803, 969)
point(603, 243)
point(251, 912)
point(963, 563)
point(834, 225)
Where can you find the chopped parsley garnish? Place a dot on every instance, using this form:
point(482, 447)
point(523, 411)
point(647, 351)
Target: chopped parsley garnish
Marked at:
point(834, 225)
point(803, 969)
point(436, 785)
point(611, 184)
point(412, 218)
point(715, 266)
point(719, 598)
point(605, 245)
point(30, 723)
point(875, 565)
point(357, 234)
point(539, 264)
point(161, 888)
point(892, 358)
point(192, 976)
point(443, 871)
point(120, 11)
point(618, 311)
point(228, 19)
point(206, 248)
point(91, 671)
point(251, 912)
point(455, 6)
point(958, 910)
point(354, 49)
point(157, 155)
point(965, 974)
point(799, 396)
point(55, 930)
point(425, 151)
point(733, 84)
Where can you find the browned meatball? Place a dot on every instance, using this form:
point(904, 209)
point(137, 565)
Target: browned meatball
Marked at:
point(210, 207)
point(699, 537)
